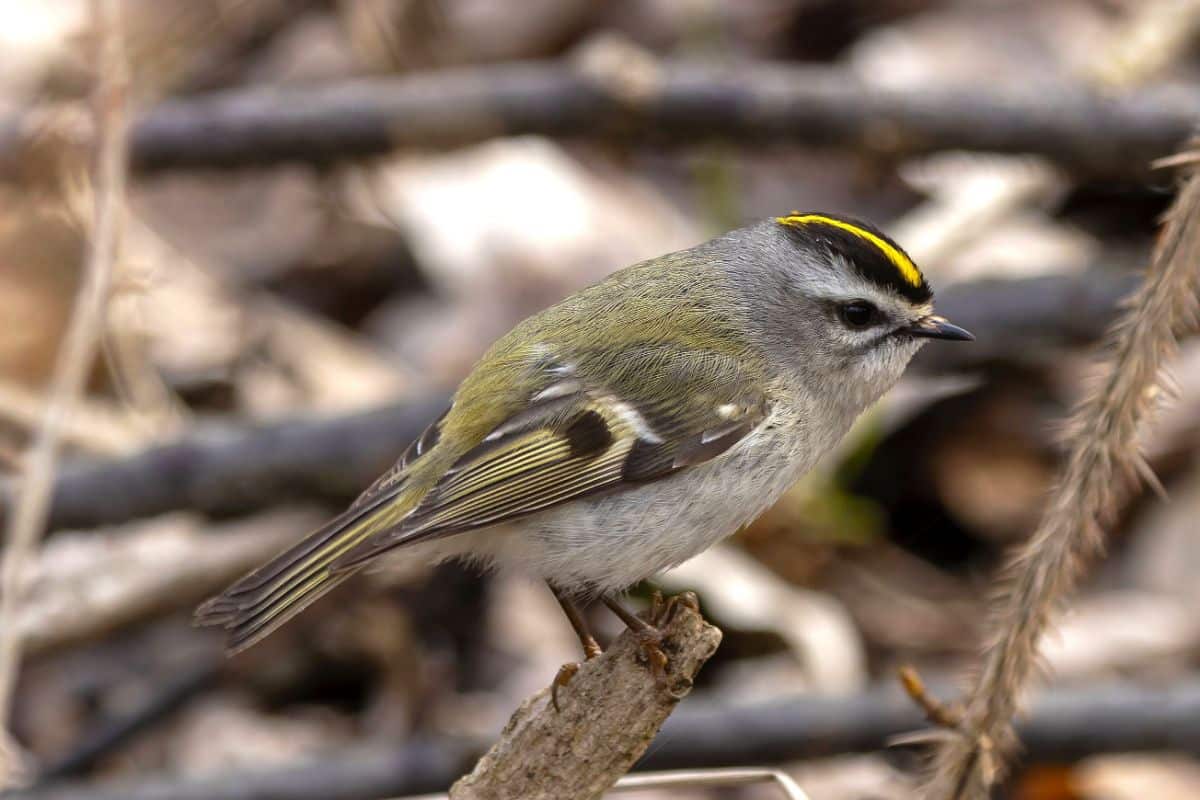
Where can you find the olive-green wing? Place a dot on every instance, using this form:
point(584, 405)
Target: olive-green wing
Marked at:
point(662, 409)
point(391, 481)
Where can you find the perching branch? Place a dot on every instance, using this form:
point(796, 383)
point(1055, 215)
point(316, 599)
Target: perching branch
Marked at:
point(27, 520)
point(1103, 461)
point(243, 469)
point(610, 712)
point(685, 103)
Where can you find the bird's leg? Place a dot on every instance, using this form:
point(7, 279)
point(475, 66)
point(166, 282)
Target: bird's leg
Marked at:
point(648, 636)
point(590, 648)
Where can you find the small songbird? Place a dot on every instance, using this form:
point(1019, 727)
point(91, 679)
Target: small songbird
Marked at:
point(633, 425)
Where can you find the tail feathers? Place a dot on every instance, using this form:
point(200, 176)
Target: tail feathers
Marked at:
point(265, 599)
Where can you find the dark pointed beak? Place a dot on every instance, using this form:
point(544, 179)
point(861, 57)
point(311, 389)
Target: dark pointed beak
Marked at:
point(932, 327)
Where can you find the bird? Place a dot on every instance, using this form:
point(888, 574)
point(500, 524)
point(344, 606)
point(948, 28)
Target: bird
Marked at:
point(631, 426)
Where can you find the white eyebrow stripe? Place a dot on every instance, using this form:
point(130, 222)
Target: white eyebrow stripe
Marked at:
point(634, 419)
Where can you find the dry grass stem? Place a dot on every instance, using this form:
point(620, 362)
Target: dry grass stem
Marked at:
point(1103, 461)
point(27, 520)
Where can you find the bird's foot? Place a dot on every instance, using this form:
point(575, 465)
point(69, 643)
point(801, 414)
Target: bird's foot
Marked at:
point(663, 611)
point(649, 634)
point(591, 649)
point(650, 640)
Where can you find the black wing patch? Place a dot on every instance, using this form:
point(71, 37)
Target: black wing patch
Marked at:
point(569, 442)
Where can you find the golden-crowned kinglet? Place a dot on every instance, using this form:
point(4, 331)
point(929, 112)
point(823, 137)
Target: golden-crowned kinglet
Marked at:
point(634, 424)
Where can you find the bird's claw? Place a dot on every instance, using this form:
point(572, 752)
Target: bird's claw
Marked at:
point(649, 631)
point(650, 641)
point(591, 649)
point(565, 673)
point(663, 611)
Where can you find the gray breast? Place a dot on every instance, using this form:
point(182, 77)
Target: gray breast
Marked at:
point(613, 541)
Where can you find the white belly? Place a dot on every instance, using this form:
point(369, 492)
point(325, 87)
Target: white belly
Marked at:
point(612, 541)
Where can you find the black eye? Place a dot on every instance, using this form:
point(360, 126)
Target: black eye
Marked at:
point(858, 314)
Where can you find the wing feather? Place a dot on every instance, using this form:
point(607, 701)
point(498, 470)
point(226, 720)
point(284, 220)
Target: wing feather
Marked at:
point(574, 439)
point(390, 481)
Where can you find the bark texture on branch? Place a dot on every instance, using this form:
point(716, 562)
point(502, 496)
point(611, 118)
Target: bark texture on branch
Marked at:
point(609, 714)
point(1089, 132)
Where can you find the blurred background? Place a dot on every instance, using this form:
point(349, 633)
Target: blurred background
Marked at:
point(334, 208)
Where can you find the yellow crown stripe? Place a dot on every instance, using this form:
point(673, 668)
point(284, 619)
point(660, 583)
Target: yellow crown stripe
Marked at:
point(904, 265)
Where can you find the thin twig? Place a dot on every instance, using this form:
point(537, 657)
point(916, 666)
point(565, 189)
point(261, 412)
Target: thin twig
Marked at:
point(937, 712)
point(1103, 461)
point(29, 515)
point(695, 778)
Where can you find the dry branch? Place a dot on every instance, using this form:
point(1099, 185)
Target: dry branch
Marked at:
point(366, 773)
point(610, 712)
point(1103, 461)
point(1063, 725)
point(237, 470)
point(25, 524)
point(126, 582)
point(683, 103)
